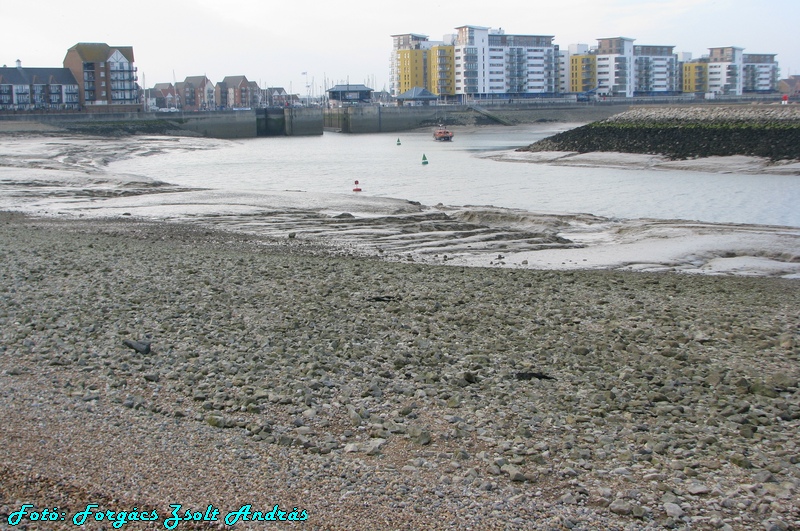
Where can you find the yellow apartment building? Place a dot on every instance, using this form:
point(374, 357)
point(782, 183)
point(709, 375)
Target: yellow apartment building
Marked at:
point(695, 77)
point(442, 80)
point(583, 72)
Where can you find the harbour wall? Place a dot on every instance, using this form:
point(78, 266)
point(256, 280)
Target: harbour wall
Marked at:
point(217, 124)
point(391, 119)
point(299, 121)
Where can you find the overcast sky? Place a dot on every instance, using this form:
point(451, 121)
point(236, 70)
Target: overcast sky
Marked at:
point(273, 42)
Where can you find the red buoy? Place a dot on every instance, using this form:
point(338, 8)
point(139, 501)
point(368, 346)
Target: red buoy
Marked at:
point(357, 188)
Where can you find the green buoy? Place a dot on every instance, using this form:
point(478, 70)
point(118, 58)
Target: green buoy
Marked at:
point(398, 141)
point(424, 159)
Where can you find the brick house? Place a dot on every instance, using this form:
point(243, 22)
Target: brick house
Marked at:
point(106, 76)
point(196, 93)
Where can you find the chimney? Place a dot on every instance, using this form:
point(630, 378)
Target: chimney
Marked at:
point(19, 63)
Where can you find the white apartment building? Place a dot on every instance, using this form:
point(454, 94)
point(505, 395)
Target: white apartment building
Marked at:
point(472, 60)
point(657, 71)
point(615, 63)
point(760, 73)
point(490, 63)
point(725, 67)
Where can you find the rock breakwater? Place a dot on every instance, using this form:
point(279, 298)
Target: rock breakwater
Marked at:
point(768, 131)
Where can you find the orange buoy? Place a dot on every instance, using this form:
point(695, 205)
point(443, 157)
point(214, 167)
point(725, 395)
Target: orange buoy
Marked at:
point(357, 188)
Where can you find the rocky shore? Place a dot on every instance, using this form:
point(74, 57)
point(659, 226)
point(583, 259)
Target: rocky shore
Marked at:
point(768, 131)
point(145, 364)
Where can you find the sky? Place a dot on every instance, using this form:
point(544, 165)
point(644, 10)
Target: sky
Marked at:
point(308, 46)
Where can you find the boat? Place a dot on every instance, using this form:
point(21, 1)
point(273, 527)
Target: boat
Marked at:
point(443, 134)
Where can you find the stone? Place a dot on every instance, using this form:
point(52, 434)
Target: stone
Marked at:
point(673, 510)
point(698, 489)
point(419, 436)
point(619, 506)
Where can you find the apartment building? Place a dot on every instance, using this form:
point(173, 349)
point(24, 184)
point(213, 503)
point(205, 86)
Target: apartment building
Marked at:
point(656, 71)
point(442, 70)
point(476, 62)
point(565, 55)
point(760, 73)
point(490, 63)
point(237, 92)
point(583, 72)
point(24, 89)
point(695, 76)
point(615, 67)
point(196, 93)
point(481, 62)
point(413, 69)
point(162, 96)
point(725, 67)
point(399, 77)
point(105, 75)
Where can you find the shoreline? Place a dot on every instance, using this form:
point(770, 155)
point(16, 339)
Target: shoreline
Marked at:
point(361, 390)
point(69, 177)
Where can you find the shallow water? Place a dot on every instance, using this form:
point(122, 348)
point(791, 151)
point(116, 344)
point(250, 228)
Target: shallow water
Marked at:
point(611, 212)
point(462, 173)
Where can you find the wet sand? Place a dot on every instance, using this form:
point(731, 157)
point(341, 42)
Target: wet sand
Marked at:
point(63, 176)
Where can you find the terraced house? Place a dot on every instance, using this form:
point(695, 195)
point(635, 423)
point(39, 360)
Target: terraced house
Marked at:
point(106, 76)
point(26, 89)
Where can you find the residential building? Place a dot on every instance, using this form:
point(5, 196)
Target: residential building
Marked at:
point(790, 86)
point(492, 64)
point(695, 76)
point(615, 67)
point(471, 60)
point(236, 92)
point(725, 66)
point(23, 89)
point(196, 93)
point(656, 71)
point(277, 97)
point(760, 73)
point(162, 96)
point(442, 70)
point(477, 62)
point(583, 72)
point(257, 98)
point(400, 43)
point(105, 75)
point(565, 65)
point(412, 66)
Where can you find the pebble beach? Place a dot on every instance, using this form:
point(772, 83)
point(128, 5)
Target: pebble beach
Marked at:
point(145, 365)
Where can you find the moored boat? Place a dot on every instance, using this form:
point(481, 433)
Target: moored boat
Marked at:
point(442, 133)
